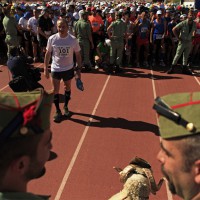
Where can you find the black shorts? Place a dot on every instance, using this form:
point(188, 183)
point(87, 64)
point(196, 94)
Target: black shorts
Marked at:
point(168, 41)
point(42, 41)
point(34, 39)
point(65, 75)
point(26, 35)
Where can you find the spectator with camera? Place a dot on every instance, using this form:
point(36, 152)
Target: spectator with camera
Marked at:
point(24, 76)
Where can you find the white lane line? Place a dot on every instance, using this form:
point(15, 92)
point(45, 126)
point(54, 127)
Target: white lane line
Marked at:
point(169, 194)
point(78, 148)
point(9, 76)
point(197, 80)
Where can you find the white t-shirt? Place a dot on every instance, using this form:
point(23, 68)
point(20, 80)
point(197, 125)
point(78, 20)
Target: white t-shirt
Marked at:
point(62, 51)
point(33, 23)
point(23, 22)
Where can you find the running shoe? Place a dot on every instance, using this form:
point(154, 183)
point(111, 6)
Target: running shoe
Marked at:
point(66, 112)
point(57, 117)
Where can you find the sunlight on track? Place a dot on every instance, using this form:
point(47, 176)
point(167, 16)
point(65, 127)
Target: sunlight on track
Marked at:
point(197, 80)
point(69, 169)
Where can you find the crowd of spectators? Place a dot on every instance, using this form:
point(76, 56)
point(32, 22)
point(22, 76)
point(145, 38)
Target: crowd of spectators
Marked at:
point(134, 34)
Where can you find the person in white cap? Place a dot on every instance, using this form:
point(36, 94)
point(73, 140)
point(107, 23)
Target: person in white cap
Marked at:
point(158, 33)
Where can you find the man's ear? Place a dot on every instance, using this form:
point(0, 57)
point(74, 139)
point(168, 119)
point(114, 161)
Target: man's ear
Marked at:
point(20, 165)
point(197, 171)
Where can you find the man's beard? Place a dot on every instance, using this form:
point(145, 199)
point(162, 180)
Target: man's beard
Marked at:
point(170, 184)
point(34, 172)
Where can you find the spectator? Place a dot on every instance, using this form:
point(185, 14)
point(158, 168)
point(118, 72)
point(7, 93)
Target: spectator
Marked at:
point(102, 58)
point(19, 66)
point(97, 25)
point(157, 35)
point(45, 29)
point(32, 26)
point(26, 37)
point(143, 30)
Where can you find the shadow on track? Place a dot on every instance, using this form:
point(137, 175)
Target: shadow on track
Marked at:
point(111, 122)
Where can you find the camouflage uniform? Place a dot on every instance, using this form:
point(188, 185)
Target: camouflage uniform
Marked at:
point(83, 31)
point(117, 42)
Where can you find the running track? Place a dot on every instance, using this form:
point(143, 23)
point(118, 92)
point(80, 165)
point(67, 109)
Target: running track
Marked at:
point(112, 122)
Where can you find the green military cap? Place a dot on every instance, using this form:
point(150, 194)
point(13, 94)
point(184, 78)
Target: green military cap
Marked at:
point(24, 113)
point(179, 115)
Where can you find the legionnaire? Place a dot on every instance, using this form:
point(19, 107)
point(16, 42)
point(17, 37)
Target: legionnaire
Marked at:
point(179, 127)
point(138, 181)
point(117, 34)
point(11, 27)
point(83, 33)
point(184, 31)
point(62, 47)
point(25, 141)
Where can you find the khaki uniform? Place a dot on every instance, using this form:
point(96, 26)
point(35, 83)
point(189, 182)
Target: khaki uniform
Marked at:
point(10, 26)
point(117, 42)
point(185, 45)
point(21, 195)
point(83, 31)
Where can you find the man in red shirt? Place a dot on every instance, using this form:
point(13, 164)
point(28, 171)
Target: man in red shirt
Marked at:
point(97, 26)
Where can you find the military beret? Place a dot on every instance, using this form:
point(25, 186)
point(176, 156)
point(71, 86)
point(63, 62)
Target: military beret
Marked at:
point(24, 113)
point(179, 115)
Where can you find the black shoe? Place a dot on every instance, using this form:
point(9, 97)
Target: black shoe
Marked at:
point(186, 70)
point(87, 68)
point(171, 70)
point(110, 69)
point(66, 112)
point(118, 70)
point(57, 117)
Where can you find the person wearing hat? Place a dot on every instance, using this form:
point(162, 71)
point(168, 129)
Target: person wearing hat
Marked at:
point(157, 36)
point(83, 33)
point(45, 29)
point(11, 29)
point(117, 33)
point(184, 31)
point(62, 46)
point(25, 141)
point(179, 129)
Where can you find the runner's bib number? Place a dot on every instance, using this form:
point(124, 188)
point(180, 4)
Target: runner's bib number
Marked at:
point(63, 51)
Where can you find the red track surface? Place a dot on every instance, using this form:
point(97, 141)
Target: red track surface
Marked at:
point(113, 121)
